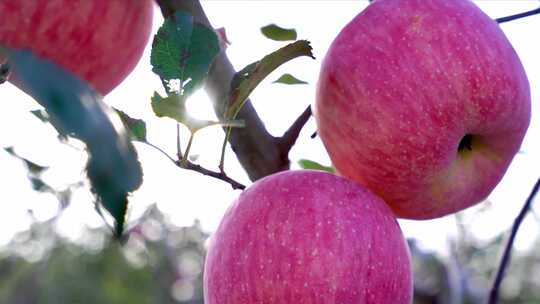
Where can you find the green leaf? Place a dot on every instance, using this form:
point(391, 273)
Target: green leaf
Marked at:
point(76, 109)
point(136, 127)
point(34, 172)
point(203, 49)
point(10, 150)
point(45, 118)
point(244, 74)
point(289, 79)
point(183, 50)
point(171, 45)
point(245, 81)
point(39, 185)
point(277, 33)
point(32, 167)
point(312, 165)
point(41, 115)
point(174, 106)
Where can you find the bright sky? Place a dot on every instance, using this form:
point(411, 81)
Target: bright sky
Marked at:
point(185, 195)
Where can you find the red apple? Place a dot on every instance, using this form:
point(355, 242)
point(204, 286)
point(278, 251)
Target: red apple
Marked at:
point(424, 102)
point(308, 237)
point(99, 41)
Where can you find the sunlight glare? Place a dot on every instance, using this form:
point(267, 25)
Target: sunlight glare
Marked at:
point(199, 106)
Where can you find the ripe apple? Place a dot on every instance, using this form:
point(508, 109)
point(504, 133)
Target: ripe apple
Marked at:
point(308, 237)
point(99, 41)
point(424, 102)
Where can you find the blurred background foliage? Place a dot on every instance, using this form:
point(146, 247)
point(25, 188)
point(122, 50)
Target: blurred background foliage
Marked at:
point(159, 262)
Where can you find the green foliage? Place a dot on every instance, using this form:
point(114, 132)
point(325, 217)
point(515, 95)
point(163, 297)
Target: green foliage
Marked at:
point(41, 115)
point(289, 79)
point(174, 106)
point(34, 172)
point(39, 185)
point(466, 275)
point(277, 33)
point(246, 80)
point(163, 263)
point(183, 50)
point(136, 127)
point(32, 167)
point(76, 110)
point(160, 263)
point(309, 164)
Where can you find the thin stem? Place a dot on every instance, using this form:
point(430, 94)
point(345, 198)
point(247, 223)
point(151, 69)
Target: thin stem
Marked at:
point(194, 167)
point(178, 145)
point(219, 175)
point(184, 160)
point(161, 151)
point(223, 149)
point(518, 16)
point(494, 293)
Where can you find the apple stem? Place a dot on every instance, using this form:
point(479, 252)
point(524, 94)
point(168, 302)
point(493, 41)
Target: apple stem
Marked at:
point(518, 16)
point(494, 293)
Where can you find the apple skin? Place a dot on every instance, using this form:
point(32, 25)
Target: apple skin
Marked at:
point(99, 41)
point(400, 87)
point(308, 237)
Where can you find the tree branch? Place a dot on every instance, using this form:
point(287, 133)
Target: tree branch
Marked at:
point(289, 138)
point(188, 165)
point(494, 293)
point(219, 175)
point(518, 16)
point(256, 149)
